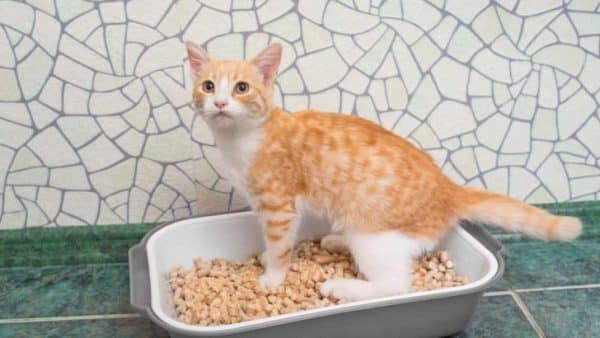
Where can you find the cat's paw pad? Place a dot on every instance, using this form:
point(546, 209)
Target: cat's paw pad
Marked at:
point(271, 279)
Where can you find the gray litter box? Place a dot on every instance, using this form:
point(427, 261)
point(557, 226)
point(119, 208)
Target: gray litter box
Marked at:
point(237, 236)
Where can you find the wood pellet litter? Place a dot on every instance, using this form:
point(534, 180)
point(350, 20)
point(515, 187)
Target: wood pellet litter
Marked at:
point(221, 291)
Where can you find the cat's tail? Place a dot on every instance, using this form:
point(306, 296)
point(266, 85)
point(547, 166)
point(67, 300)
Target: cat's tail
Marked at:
point(491, 208)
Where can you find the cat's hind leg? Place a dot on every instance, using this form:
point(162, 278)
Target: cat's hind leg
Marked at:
point(385, 259)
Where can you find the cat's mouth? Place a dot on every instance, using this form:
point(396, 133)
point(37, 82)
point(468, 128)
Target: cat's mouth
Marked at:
point(222, 114)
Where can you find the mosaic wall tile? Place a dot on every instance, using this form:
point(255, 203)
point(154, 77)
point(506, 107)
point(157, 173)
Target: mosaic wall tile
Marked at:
point(96, 127)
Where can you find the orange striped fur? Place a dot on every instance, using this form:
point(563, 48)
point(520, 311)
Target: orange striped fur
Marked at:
point(376, 187)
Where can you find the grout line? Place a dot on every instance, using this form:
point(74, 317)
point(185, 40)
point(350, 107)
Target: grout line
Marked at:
point(521, 305)
point(68, 318)
point(550, 288)
point(559, 288)
point(496, 293)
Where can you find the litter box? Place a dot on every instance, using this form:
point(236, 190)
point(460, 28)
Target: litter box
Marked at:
point(237, 236)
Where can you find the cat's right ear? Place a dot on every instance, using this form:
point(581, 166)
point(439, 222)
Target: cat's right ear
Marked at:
point(198, 58)
point(267, 61)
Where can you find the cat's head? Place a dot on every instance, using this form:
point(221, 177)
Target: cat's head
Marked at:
point(233, 93)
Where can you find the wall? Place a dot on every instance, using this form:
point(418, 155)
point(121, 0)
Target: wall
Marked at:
point(95, 124)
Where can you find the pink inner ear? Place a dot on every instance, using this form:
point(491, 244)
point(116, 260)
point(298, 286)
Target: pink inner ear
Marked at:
point(267, 63)
point(198, 59)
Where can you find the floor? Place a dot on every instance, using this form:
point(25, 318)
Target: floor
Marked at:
point(73, 282)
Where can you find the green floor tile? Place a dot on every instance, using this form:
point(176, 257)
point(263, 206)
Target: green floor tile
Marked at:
point(112, 328)
point(64, 290)
point(570, 313)
point(498, 317)
point(500, 285)
point(69, 245)
point(532, 264)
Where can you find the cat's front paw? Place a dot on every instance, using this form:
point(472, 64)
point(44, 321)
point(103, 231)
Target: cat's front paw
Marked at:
point(272, 279)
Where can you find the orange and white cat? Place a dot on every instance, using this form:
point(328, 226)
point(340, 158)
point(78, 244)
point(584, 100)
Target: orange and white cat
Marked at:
point(387, 199)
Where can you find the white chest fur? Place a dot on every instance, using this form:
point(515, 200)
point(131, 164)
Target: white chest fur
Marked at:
point(238, 149)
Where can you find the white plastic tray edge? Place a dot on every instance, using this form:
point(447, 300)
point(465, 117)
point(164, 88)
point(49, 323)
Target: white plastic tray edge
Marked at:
point(302, 315)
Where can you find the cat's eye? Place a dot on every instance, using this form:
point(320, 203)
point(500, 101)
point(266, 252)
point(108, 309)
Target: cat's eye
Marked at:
point(208, 86)
point(241, 87)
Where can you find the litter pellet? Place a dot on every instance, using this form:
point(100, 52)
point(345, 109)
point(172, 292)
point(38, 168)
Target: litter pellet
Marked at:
point(219, 291)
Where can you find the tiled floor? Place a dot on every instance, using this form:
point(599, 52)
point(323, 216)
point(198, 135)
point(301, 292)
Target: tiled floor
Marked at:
point(73, 283)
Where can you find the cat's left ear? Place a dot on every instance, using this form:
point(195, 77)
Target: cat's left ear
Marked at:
point(267, 63)
point(198, 58)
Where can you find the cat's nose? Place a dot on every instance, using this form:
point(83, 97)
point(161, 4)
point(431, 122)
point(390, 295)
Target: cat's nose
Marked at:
point(220, 104)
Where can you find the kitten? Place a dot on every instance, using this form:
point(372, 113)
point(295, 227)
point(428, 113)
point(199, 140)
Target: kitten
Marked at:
point(388, 200)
